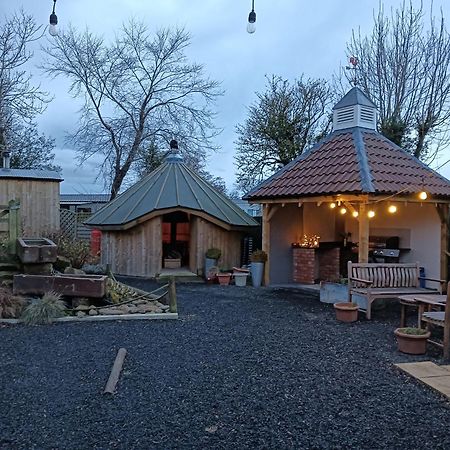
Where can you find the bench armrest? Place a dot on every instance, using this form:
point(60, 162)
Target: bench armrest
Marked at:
point(433, 279)
point(360, 280)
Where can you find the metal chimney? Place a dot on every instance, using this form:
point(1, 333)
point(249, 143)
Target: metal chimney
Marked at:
point(6, 159)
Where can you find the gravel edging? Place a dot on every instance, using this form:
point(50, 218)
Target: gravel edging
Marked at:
point(242, 368)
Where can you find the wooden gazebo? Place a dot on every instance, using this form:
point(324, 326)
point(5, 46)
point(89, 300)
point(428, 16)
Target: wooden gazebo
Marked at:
point(170, 213)
point(355, 185)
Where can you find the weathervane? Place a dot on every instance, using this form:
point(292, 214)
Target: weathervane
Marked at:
point(353, 60)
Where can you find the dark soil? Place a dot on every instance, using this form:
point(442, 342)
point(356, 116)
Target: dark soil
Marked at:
point(242, 368)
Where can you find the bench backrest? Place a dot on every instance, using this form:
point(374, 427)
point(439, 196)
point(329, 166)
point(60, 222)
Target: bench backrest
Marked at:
point(386, 275)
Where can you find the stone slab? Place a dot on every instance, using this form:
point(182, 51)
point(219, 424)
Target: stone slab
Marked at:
point(423, 369)
point(434, 376)
point(440, 384)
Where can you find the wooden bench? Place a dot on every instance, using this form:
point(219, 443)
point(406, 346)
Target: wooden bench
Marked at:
point(383, 280)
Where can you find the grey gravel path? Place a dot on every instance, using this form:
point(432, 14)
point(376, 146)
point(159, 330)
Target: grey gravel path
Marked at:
point(243, 368)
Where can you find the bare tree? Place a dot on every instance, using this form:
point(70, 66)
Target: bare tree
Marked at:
point(20, 100)
point(284, 120)
point(140, 91)
point(30, 149)
point(404, 66)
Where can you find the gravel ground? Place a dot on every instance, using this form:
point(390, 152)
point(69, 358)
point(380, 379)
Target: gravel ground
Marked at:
point(242, 368)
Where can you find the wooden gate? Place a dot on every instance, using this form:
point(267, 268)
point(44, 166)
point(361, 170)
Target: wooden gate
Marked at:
point(10, 215)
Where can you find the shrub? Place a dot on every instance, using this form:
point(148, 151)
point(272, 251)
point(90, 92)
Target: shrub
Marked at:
point(213, 253)
point(258, 256)
point(11, 306)
point(77, 251)
point(44, 310)
point(412, 331)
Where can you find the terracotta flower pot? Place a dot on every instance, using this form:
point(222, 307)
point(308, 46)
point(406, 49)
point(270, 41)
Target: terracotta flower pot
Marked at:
point(413, 344)
point(346, 312)
point(224, 278)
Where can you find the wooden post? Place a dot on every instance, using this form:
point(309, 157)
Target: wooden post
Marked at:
point(363, 246)
point(13, 225)
point(266, 242)
point(172, 296)
point(115, 372)
point(443, 211)
point(446, 343)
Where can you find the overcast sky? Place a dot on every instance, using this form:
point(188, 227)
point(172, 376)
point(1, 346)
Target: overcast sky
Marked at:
point(292, 37)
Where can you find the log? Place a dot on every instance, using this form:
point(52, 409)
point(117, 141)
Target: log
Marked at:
point(115, 372)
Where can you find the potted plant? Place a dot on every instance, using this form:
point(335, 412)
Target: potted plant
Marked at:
point(258, 258)
point(412, 340)
point(212, 255)
point(224, 278)
point(346, 311)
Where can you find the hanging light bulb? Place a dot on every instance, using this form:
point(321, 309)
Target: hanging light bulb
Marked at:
point(423, 195)
point(371, 214)
point(251, 25)
point(392, 209)
point(355, 214)
point(343, 210)
point(52, 28)
point(332, 205)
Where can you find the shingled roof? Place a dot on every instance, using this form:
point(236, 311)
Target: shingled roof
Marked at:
point(172, 185)
point(354, 160)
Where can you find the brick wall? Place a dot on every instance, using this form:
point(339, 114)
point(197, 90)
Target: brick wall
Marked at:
point(303, 265)
point(329, 264)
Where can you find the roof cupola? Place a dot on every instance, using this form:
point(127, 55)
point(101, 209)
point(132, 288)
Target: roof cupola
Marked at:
point(355, 109)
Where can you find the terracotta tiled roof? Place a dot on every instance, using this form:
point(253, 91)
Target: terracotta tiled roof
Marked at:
point(352, 161)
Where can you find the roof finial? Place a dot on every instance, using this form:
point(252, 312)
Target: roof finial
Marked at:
point(353, 60)
point(174, 154)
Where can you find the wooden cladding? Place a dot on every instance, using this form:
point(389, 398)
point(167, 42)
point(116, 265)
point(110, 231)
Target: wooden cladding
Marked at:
point(39, 204)
point(138, 251)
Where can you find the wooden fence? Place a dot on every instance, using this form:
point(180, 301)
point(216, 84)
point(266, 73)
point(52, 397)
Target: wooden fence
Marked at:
point(72, 224)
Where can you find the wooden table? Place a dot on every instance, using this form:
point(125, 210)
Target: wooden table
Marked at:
point(422, 302)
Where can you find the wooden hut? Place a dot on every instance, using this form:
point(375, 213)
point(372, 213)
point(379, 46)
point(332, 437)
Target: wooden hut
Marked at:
point(358, 192)
point(171, 213)
point(38, 194)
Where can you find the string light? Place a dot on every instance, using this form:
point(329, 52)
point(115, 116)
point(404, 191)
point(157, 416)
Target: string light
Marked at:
point(52, 28)
point(332, 205)
point(251, 25)
point(355, 214)
point(423, 195)
point(392, 209)
point(371, 214)
point(343, 210)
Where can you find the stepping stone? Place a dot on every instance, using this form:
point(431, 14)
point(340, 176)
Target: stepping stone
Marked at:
point(423, 369)
point(437, 377)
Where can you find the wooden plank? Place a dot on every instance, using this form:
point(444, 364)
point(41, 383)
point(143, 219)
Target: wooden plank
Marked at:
point(113, 379)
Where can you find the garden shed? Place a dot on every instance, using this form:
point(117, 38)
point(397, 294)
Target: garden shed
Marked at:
point(353, 196)
point(172, 213)
point(38, 194)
